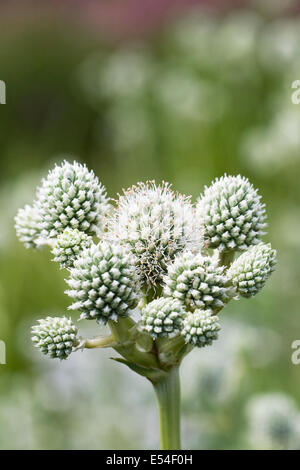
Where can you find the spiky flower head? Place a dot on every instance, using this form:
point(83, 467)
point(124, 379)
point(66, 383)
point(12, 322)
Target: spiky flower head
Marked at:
point(232, 214)
point(162, 317)
point(103, 283)
point(155, 224)
point(250, 271)
point(27, 226)
point(69, 245)
point(198, 282)
point(71, 196)
point(55, 336)
point(273, 421)
point(200, 328)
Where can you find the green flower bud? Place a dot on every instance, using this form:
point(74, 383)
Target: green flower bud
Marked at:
point(71, 196)
point(103, 283)
point(27, 226)
point(198, 282)
point(69, 245)
point(162, 317)
point(232, 214)
point(55, 337)
point(249, 272)
point(200, 328)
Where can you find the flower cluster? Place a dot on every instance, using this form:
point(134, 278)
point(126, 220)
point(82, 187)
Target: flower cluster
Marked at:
point(55, 337)
point(232, 214)
point(153, 259)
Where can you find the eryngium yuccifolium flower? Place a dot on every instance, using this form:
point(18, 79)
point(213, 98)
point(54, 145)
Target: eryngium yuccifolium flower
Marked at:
point(55, 337)
point(232, 213)
point(198, 282)
point(71, 196)
point(27, 226)
point(162, 317)
point(69, 245)
point(200, 328)
point(249, 272)
point(103, 283)
point(155, 224)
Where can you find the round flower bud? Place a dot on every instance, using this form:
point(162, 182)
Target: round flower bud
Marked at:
point(69, 245)
point(155, 224)
point(198, 282)
point(249, 272)
point(162, 317)
point(27, 226)
point(55, 337)
point(71, 196)
point(232, 214)
point(103, 283)
point(200, 328)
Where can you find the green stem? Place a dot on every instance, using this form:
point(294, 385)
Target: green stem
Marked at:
point(168, 399)
point(226, 258)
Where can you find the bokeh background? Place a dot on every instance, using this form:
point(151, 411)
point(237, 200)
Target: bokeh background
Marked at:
point(177, 91)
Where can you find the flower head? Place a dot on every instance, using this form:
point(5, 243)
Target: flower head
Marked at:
point(103, 283)
point(155, 224)
point(69, 245)
point(55, 337)
point(71, 196)
point(27, 226)
point(162, 317)
point(232, 214)
point(200, 328)
point(250, 271)
point(198, 282)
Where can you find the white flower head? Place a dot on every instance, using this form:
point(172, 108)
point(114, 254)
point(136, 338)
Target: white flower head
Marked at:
point(103, 283)
point(163, 317)
point(232, 214)
point(69, 244)
point(71, 196)
point(197, 282)
point(155, 224)
point(55, 337)
point(27, 226)
point(250, 271)
point(200, 328)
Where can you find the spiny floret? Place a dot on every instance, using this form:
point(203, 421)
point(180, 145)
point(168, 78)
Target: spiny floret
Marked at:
point(250, 271)
point(200, 328)
point(56, 337)
point(69, 245)
point(27, 226)
point(155, 224)
point(71, 196)
point(162, 317)
point(198, 282)
point(103, 283)
point(232, 213)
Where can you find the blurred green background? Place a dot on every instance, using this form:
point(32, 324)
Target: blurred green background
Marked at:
point(206, 93)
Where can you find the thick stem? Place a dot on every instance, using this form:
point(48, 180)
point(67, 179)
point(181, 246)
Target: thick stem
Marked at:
point(168, 400)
